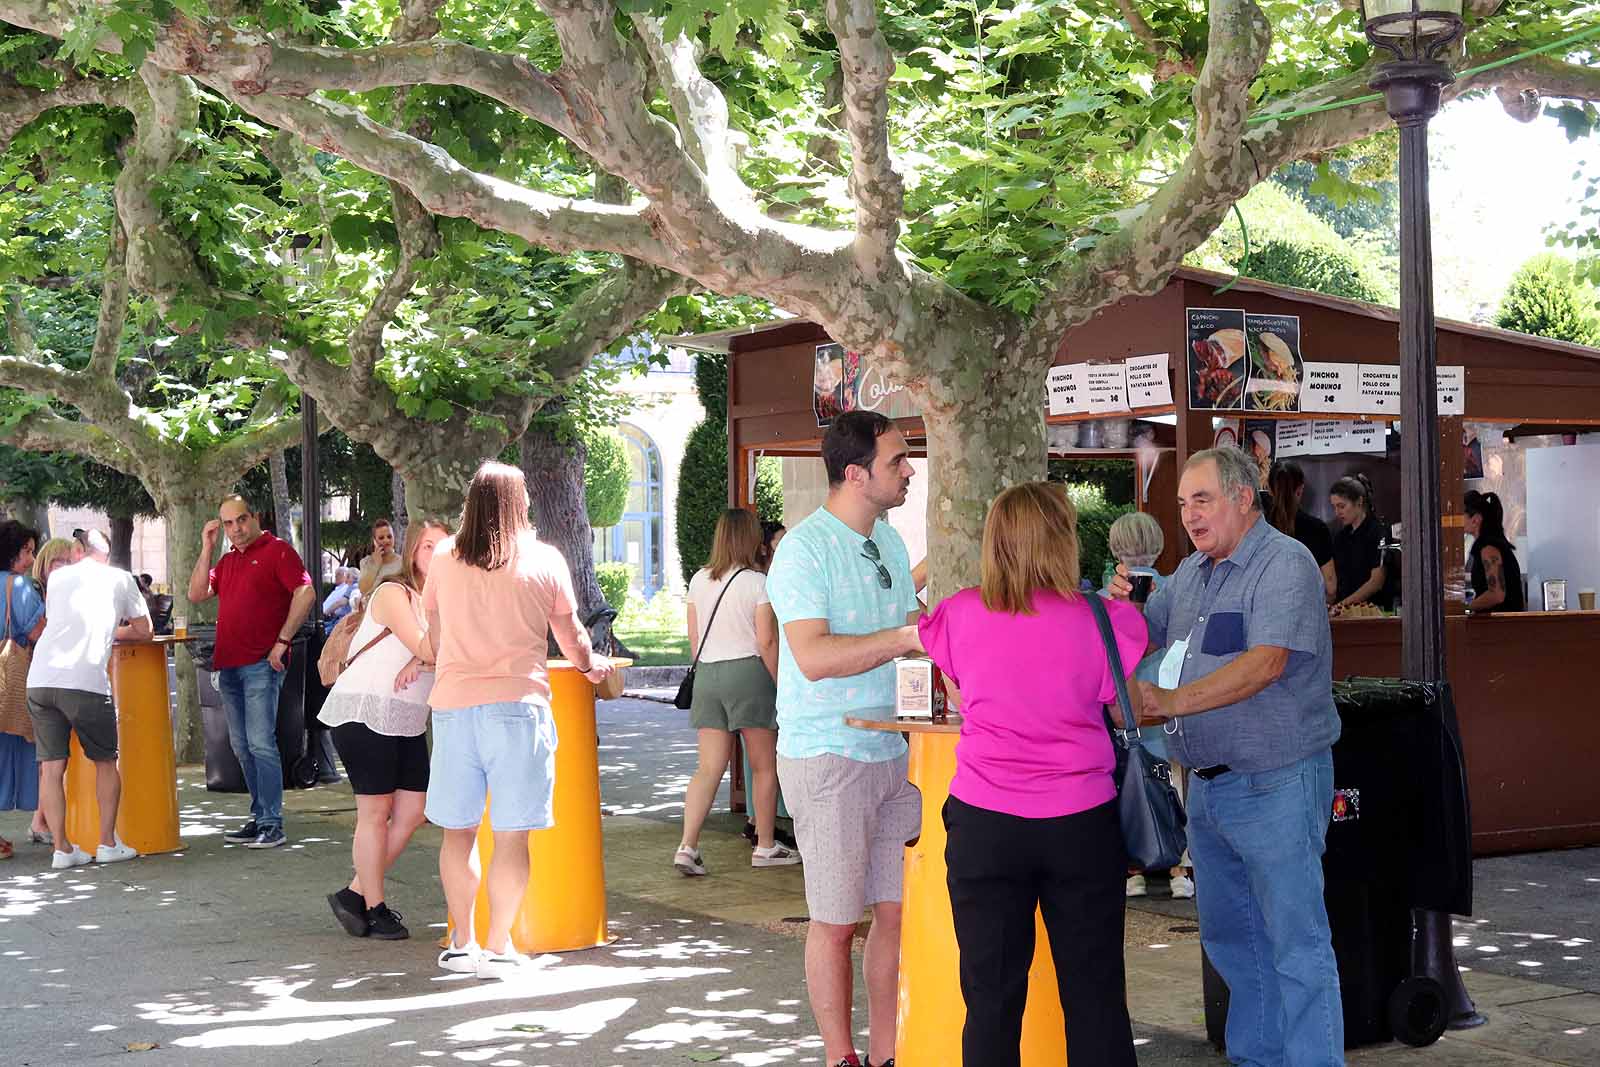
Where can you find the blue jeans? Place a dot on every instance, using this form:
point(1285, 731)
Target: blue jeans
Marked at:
point(250, 697)
point(1257, 842)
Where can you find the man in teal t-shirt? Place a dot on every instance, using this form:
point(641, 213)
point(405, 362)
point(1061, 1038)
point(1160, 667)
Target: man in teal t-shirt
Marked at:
point(841, 587)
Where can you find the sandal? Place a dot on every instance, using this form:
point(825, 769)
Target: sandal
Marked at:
point(6, 849)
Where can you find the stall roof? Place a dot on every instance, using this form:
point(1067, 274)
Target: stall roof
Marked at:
point(719, 340)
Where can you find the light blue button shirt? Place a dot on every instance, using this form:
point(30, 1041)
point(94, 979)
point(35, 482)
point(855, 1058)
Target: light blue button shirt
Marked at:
point(820, 572)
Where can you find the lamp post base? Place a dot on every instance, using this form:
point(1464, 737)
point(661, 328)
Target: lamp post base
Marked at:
point(1433, 955)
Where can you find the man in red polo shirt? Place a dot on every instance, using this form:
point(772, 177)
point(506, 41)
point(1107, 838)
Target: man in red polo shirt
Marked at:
point(263, 595)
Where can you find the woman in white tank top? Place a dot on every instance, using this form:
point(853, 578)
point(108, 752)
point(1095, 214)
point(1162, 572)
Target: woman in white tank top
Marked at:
point(378, 710)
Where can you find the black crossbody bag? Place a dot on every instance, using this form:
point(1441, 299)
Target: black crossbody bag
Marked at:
point(1152, 816)
point(685, 695)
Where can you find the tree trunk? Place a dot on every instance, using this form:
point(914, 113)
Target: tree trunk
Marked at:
point(33, 514)
point(991, 439)
point(554, 469)
point(397, 506)
point(122, 541)
point(186, 514)
point(280, 499)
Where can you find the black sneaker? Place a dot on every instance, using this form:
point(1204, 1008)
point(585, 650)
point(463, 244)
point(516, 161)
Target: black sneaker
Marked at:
point(269, 838)
point(385, 925)
point(750, 833)
point(350, 908)
point(886, 1063)
point(244, 834)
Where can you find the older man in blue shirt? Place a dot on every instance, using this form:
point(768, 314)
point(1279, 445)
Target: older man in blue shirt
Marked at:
point(1245, 692)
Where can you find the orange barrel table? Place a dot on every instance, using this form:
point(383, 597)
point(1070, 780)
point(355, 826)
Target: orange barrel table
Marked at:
point(565, 905)
point(931, 1010)
point(147, 817)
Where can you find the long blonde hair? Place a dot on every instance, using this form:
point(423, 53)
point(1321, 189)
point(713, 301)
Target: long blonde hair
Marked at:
point(48, 553)
point(736, 543)
point(1030, 542)
point(408, 560)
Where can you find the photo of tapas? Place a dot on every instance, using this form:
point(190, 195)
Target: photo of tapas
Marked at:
point(827, 383)
point(1218, 369)
point(1276, 368)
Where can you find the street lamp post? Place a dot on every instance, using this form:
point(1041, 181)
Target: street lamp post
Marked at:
point(1416, 33)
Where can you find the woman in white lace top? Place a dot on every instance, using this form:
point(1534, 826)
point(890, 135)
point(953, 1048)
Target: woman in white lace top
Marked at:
point(378, 710)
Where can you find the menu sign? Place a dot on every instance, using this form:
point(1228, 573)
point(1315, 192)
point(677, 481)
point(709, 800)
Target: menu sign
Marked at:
point(1327, 438)
point(1108, 388)
point(1275, 366)
point(1330, 388)
point(1452, 390)
point(1068, 389)
point(1378, 389)
point(1217, 360)
point(842, 381)
point(1364, 437)
point(1148, 385)
point(1294, 437)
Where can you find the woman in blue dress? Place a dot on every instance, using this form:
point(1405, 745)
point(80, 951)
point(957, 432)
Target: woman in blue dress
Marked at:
point(19, 773)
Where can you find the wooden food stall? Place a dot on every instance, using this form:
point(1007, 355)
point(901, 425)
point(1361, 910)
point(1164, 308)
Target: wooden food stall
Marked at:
point(1523, 413)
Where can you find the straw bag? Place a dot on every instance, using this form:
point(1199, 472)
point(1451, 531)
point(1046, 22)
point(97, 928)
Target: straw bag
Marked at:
point(14, 661)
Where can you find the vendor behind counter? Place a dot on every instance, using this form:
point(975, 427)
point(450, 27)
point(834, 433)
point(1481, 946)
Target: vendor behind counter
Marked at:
point(1359, 573)
point(1495, 574)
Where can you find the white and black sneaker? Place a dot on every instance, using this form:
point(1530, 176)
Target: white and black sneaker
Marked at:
point(462, 959)
point(778, 855)
point(244, 834)
point(272, 837)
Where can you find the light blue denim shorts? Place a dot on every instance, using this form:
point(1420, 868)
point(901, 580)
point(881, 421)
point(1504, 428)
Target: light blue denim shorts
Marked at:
point(505, 753)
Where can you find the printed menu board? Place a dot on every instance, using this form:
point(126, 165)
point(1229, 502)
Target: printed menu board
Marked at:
point(1217, 358)
point(1378, 389)
point(1108, 388)
point(1274, 364)
point(1148, 386)
point(1068, 389)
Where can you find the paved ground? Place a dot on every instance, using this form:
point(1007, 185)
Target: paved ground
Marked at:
point(220, 955)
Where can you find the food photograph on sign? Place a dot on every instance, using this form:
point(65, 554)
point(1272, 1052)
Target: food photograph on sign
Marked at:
point(1259, 441)
point(1217, 364)
point(1276, 368)
point(827, 383)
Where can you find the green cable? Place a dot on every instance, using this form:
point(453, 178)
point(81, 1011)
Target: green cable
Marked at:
point(1244, 264)
point(1573, 38)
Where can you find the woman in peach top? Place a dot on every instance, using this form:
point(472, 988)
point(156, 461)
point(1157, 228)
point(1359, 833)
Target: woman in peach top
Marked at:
point(494, 591)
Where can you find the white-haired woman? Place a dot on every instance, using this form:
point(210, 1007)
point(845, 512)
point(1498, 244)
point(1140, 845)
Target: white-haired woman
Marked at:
point(1136, 541)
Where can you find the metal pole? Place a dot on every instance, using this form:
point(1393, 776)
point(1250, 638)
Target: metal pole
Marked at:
point(1411, 90)
point(311, 495)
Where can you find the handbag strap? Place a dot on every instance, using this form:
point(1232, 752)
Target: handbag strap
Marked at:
point(707, 631)
point(1102, 619)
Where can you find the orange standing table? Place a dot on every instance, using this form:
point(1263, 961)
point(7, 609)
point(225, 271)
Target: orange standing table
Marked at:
point(931, 1011)
point(147, 817)
point(564, 907)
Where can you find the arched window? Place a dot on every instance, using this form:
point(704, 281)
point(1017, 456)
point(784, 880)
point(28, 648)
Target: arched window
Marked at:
point(638, 538)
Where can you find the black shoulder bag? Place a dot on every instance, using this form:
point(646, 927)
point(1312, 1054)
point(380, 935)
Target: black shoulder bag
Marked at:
point(1153, 818)
point(685, 695)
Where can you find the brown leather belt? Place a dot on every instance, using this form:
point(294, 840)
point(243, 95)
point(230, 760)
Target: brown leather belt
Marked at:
point(1208, 773)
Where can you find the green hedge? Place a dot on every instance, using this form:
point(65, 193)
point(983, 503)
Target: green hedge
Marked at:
point(1320, 267)
point(1544, 299)
point(605, 476)
point(615, 580)
point(1095, 516)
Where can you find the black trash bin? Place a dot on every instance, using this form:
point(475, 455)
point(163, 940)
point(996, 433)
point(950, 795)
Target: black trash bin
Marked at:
point(223, 773)
point(1399, 840)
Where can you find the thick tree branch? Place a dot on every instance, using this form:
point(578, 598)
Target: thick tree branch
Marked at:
point(700, 108)
point(113, 309)
point(46, 431)
point(1190, 205)
point(876, 188)
point(18, 106)
point(1166, 67)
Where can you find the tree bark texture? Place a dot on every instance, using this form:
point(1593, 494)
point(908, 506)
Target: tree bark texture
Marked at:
point(554, 470)
point(186, 515)
point(121, 537)
point(397, 505)
point(281, 513)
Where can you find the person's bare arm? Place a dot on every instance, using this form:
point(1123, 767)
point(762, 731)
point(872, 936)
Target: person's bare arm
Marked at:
point(1330, 581)
point(766, 637)
point(919, 575)
point(391, 607)
point(433, 634)
point(200, 578)
point(820, 653)
point(1368, 590)
point(135, 629)
point(1246, 676)
point(299, 607)
point(1494, 573)
point(694, 632)
point(575, 645)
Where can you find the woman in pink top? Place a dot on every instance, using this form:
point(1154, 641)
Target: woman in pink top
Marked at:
point(494, 593)
point(1032, 818)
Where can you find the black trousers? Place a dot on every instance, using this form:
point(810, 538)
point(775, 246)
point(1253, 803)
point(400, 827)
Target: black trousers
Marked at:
point(1000, 869)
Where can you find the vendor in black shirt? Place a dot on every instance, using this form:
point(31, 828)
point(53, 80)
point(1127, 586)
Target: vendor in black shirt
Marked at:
point(1496, 576)
point(1358, 546)
point(1286, 488)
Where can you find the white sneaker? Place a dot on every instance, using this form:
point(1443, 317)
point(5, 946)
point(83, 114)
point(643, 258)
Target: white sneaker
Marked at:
point(65, 861)
point(1182, 887)
point(115, 853)
point(688, 862)
point(462, 959)
point(507, 965)
point(779, 855)
point(1135, 886)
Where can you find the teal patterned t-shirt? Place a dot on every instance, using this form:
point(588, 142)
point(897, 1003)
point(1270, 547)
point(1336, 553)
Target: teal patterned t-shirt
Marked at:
point(821, 572)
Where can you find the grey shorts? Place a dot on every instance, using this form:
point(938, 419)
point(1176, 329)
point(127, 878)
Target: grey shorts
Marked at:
point(852, 821)
point(56, 713)
point(735, 694)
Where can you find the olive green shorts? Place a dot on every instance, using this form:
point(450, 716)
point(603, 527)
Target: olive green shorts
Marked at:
point(735, 694)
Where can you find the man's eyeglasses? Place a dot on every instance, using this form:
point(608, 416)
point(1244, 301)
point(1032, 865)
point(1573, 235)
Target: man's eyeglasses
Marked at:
point(869, 552)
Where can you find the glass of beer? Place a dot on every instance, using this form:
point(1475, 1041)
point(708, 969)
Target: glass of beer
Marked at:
point(180, 626)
